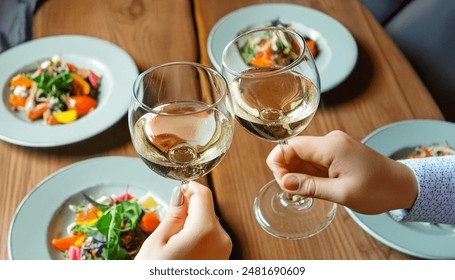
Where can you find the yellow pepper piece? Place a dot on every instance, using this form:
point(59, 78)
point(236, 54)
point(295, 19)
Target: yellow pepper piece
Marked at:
point(148, 202)
point(66, 116)
point(80, 85)
point(79, 241)
point(88, 217)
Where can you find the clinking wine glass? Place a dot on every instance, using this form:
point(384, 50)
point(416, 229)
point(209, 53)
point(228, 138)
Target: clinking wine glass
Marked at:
point(180, 119)
point(275, 88)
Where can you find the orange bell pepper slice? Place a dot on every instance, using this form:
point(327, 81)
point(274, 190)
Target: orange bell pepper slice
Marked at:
point(21, 80)
point(263, 59)
point(66, 242)
point(312, 47)
point(17, 101)
point(71, 67)
point(83, 104)
point(149, 222)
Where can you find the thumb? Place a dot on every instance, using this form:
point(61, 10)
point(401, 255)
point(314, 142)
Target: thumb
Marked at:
point(175, 217)
point(311, 186)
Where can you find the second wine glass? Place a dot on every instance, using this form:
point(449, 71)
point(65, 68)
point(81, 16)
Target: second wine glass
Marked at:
point(275, 88)
point(180, 119)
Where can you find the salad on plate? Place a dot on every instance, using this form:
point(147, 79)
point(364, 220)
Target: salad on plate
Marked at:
point(270, 50)
point(109, 228)
point(56, 92)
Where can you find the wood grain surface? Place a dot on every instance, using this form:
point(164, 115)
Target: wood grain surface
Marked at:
point(382, 89)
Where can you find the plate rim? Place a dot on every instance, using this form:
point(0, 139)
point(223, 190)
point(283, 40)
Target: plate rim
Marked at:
point(348, 39)
point(161, 194)
point(366, 222)
point(118, 95)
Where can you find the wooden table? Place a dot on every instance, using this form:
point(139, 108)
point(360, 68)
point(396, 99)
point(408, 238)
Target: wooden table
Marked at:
point(383, 88)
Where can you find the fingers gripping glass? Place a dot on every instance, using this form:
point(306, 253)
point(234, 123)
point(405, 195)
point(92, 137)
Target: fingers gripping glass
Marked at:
point(275, 88)
point(180, 119)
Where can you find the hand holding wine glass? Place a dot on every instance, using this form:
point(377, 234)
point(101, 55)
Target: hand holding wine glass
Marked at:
point(275, 88)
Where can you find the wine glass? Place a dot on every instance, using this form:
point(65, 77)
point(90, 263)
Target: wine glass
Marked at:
point(275, 88)
point(180, 119)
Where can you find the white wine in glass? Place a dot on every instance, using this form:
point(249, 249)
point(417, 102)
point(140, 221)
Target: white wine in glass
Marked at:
point(181, 120)
point(275, 88)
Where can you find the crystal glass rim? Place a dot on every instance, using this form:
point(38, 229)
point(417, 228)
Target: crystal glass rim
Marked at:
point(264, 29)
point(223, 89)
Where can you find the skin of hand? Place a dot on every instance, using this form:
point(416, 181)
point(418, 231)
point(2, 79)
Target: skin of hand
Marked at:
point(338, 168)
point(190, 229)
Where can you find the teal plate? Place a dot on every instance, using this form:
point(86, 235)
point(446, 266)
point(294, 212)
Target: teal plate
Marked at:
point(115, 66)
point(421, 240)
point(43, 213)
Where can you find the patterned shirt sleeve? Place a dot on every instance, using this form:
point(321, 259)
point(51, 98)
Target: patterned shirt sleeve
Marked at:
point(435, 202)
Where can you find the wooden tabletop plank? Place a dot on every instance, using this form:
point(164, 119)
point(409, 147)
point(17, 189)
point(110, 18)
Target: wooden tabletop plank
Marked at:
point(382, 89)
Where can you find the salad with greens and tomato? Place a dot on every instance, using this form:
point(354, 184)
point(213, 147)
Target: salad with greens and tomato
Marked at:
point(109, 228)
point(56, 92)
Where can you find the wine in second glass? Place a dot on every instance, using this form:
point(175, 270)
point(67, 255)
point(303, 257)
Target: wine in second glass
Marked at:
point(262, 110)
point(275, 88)
point(181, 130)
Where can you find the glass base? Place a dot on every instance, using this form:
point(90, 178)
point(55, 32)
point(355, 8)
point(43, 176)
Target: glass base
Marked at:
point(291, 219)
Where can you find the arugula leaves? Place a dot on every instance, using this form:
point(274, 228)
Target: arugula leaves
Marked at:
point(117, 219)
point(56, 87)
point(121, 217)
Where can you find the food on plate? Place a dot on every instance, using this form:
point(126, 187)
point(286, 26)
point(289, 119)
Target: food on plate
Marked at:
point(109, 228)
point(311, 44)
point(270, 50)
point(432, 151)
point(57, 92)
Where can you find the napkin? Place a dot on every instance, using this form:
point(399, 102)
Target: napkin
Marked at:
point(16, 19)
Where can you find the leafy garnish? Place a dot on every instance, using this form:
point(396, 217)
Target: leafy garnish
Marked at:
point(54, 86)
point(119, 218)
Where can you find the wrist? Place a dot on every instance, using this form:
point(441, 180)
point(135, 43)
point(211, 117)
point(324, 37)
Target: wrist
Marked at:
point(410, 186)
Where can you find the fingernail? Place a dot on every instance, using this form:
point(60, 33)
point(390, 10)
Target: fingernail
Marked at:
point(176, 198)
point(291, 182)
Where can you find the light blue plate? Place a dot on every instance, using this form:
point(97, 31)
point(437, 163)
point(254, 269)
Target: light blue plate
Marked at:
point(116, 68)
point(338, 49)
point(34, 224)
point(422, 240)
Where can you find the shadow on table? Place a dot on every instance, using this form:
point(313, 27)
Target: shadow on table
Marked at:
point(356, 83)
point(115, 136)
point(236, 253)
